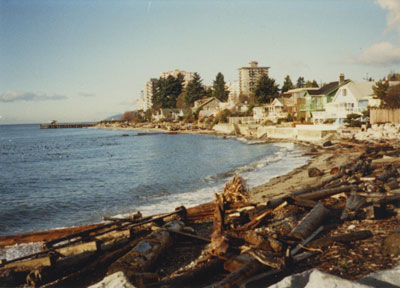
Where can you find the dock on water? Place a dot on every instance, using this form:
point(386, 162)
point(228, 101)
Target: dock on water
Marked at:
point(66, 125)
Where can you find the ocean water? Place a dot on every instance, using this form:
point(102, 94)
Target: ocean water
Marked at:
point(67, 177)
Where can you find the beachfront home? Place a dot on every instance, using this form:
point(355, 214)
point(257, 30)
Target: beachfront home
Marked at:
point(272, 111)
point(352, 97)
point(208, 107)
point(316, 100)
point(169, 114)
point(298, 97)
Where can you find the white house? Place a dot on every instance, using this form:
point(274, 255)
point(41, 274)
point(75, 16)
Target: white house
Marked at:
point(174, 114)
point(272, 111)
point(353, 97)
point(208, 107)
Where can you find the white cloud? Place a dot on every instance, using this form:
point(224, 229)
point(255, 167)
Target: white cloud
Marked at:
point(13, 96)
point(381, 54)
point(393, 18)
point(87, 95)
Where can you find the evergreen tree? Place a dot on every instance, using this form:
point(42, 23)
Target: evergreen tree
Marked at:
point(266, 89)
point(300, 82)
point(380, 90)
point(389, 96)
point(287, 84)
point(219, 90)
point(167, 91)
point(194, 90)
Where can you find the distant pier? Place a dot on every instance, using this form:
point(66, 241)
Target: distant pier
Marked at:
point(66, 125)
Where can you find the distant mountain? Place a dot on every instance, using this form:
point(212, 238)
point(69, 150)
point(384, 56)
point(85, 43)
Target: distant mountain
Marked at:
point(114, 117)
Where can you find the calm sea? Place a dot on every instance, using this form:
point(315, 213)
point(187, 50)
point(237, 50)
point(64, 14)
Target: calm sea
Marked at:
point(67, 177)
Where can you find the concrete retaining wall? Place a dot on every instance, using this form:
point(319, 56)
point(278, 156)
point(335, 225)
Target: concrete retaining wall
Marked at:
point(224, 128)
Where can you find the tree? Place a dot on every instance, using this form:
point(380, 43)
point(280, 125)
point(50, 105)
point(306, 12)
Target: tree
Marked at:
point(194, 90)
point(219, 90)
point(266, 89)
point(300, 82)
point(380, 90)
point(393, 97)
point(287, 84)
point(167, 91)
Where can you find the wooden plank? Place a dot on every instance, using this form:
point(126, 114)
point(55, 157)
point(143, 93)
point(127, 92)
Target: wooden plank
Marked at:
point(29, 264)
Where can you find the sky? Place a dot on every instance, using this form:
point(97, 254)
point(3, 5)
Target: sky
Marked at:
point(81, 60)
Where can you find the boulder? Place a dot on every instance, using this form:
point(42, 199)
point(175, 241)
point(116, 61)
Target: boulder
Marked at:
point(383, 279)
point(316, 279)
point(314, 172)
point(116, 280)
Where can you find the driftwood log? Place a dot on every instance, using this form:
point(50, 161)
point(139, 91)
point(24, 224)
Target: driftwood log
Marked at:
point(344, 238)
point(310, 222)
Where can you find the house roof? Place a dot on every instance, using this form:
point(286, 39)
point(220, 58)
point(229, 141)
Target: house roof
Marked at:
point(202, 102)
point(361, 90)
point(325, 89)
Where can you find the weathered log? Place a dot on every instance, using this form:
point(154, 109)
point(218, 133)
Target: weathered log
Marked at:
point(30, 264)
point(388, 200)
point(239, 275)
point(237, 262)
point(344, 238)
point(144, 255)
point(193, 274)
point(353, 204)
point(256, 220)
point(385, 176)
point(327, 192)
point(310, 222)
point(42, 235)
point(99, 265)
point(296, 250)
point(297, 200)
point(391, 185)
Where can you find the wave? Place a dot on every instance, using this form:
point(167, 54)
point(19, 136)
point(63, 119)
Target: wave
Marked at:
point(286, 159)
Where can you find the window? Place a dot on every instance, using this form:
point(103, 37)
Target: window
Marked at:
point(344, 92)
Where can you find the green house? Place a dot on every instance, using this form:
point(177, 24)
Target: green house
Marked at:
point(315, 100)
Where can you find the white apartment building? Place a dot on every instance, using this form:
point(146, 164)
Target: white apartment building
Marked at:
point(248, 77)
point(148, 93)
point(187, 76)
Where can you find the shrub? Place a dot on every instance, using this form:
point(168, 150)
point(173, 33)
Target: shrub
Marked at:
point(353, 120)
point(222, 117)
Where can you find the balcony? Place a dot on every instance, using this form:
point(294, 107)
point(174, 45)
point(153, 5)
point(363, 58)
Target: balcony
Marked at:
point(311, 107)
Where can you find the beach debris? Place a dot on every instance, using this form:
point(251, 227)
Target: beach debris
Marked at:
point(346, 224)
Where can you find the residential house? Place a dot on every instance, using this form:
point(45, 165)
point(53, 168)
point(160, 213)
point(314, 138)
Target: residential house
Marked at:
point(173, 114)
point(298, 97)
point(352, 97)
point(272, 111)
point(207, 107)
point(316, 100)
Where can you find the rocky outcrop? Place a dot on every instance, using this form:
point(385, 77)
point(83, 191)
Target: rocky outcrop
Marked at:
point(388, 131)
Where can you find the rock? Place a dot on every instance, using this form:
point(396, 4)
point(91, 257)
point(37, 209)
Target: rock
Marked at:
point(383, 279)
point(316, 279)
point(116, 280)
point(314, 172)
point(392, 242)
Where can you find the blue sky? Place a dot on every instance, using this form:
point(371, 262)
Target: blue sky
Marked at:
point(87, 60)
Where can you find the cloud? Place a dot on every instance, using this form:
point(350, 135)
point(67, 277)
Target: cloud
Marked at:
point(393, 18)
point(380, 54)
point(87, 95)
point(13, 96)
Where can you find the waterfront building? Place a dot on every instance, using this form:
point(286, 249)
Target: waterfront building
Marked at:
point(248, 77)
